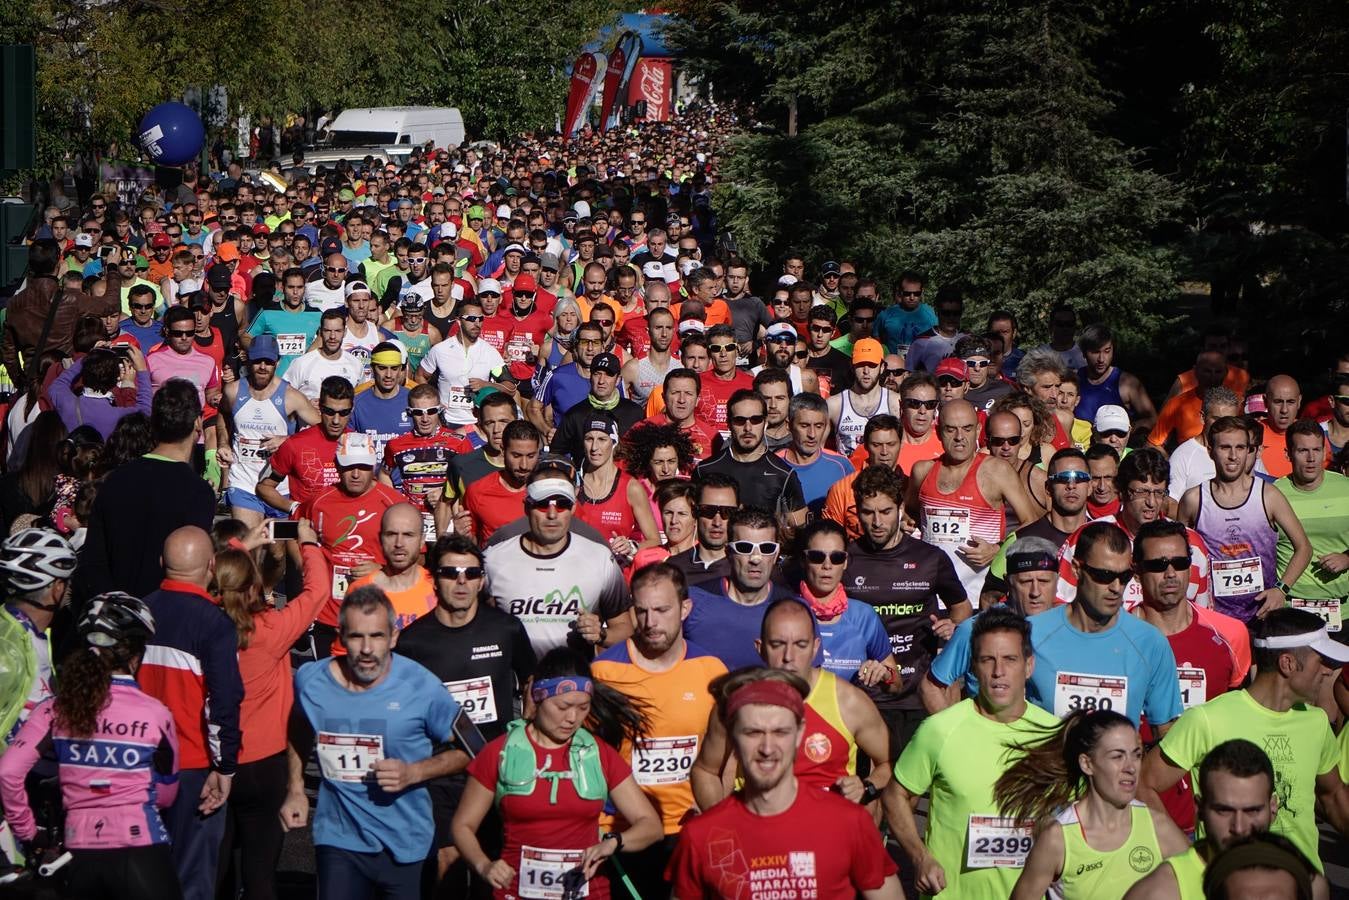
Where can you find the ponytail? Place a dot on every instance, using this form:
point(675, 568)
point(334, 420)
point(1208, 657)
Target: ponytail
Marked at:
point(1048, 776)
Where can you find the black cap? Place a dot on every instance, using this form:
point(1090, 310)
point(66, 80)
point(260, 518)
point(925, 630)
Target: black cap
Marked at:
point(606, 362)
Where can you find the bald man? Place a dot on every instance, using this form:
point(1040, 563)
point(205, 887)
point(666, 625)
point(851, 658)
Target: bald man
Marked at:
point(1283, 399)
point(191, 665)
point(402, 577)
point(958, 498)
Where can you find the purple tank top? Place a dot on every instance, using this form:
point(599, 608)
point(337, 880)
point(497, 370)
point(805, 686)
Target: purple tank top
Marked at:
point(1242, 546)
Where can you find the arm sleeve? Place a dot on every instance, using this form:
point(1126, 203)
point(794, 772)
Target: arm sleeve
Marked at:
point(15, 765)
point(225, 691)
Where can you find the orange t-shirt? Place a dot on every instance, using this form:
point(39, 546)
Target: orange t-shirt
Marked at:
point(1182, 415)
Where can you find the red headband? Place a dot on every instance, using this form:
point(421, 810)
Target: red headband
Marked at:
point(767, 692)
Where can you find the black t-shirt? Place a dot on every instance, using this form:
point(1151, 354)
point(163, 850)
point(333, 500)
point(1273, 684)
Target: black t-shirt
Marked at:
point(834, 367)
point(766, 482)
point(747, 314)
point(983, 398)
point(696, 571)
point(494, 645)
point(570, 436)
point(1041, 528)
point(904, 584)
point(467, 468)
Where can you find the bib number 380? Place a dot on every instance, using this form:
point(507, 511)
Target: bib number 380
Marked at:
point(1075, 691)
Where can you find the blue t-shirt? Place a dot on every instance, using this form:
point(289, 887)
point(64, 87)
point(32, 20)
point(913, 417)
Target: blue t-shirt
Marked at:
point(817, 477)
point(565, 388)
point(1069, 663)
point(727, 629)
point(356, 256)
point(292, 330)
point(897, 327)
point(857, 636)
point(411, 711)
point(147, 336)
point(382, 419)
point(954, 659)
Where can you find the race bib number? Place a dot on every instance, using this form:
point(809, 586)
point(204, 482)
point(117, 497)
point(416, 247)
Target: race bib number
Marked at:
point(1193, 686)
point(948, 525)
point(997, 842)
point(477, 698)
point(429, 533)
point(1077, 690)
point(460, 400)
point(252, 449)
point(1326, 609)
point(291, 344)
point(664, 760)
point(1237, 577)
point(541, 872)
point(341, 581)
point(348, 757)
point(518, 349)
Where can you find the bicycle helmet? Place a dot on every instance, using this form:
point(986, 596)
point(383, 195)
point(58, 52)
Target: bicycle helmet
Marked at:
point(115, 618)
point(35, 557)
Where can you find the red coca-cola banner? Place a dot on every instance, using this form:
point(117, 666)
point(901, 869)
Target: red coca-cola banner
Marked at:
point(653, 83)
point(583, 76)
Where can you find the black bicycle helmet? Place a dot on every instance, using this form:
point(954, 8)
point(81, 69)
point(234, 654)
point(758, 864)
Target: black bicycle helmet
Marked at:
point(116, 618)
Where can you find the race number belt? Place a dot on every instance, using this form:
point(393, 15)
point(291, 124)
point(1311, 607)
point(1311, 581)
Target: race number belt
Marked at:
point(348, 757)
point(1193, 685)
point(1328, 609)
point(947, 525)
point(1079, 690)
point(657, 761)
point(1238, 577)
point(476, 697)
point(541, 872)
point(997, 842)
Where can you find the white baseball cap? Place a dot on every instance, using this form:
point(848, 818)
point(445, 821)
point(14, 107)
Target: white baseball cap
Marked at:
point(503, 211)
point(1110, 418)
point(354, 448)
point(84, 239)
point(489, 286)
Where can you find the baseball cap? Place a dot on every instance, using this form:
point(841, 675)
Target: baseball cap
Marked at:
point(476, 212)
point(607, 363)
point(264, 346)
point(514, 248)
point(785, 330)
point(503, 211)
point(218, 277)
point(582, 209)
point(830, 268)
point(1255, 405)
point(550, 261)
point(1110, 418)
point(570, 216)
point(328, 246)
point(160, 240)
point(448, 231)
point(867, 351)
point(955, 368)
point(547, 488)
point(692, 325)
point(358, 287)
point(142, 262)
point(489, 286)
point(525, 283)
point(786, 280)
point(653, 269)
point(227, 252)
point(354, 448)
point(261, 228)
point(198, 302)
point(84, 239)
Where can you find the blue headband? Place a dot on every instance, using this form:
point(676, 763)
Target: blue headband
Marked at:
point(544, 688)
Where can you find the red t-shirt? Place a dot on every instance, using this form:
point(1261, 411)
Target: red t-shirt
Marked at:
point(716, 393)
point(569, 824)
point(494, 331)
point(522, 336)
point(492, 504)
point(821, 846)
point(309, 459)
point(348, 531)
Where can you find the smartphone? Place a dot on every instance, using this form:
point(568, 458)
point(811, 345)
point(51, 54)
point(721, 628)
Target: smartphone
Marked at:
point(470, 739)
point(283, 529)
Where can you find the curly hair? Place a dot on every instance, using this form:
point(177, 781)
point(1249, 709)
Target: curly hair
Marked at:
point(85, 682)
point(642, 442)
point(1043, 430)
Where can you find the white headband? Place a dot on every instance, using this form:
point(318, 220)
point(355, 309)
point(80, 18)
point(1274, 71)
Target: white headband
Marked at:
point(1291, 641)
point(550, 487)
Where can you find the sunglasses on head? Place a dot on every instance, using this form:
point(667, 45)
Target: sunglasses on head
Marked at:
point(817, 557)
point(708, 511)
point(747, 548)
point(1072, 476)
point(1108, 576)
point(454, 573)
point(915, 403)
point(1162, 563)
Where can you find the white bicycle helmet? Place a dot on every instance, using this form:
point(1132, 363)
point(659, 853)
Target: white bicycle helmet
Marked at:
point(114, 618)
point(35, 557)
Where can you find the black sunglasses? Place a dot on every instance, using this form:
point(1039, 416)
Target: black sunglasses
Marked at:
point(817, 557)
point(914, 403)
point(454, 573)
point(1162, 563)
point(706, 511)
point(331, 411)
point(1108, 576)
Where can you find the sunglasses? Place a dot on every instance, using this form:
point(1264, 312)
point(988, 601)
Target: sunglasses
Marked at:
point(822, 329)
point(706, 511)
point(895, 373)
point(1073, 476)
point(913, 403)
point(1162, 563)
point(910, 293)
point(817, 557)
point(423, 411)
point(977, 363)
point(722, 348)
point(863, 320)
point(332, 411)
point(454, 573)
point(748, 420)
point(471, 319)
point(563, 503)
point(174, 234)
point(142, 306)
point(748, 548)
point(948, 381)
point(1009, 441)
point(416, 260)
point(802, 354)
point(782, 339)
point(1108, 576)
point(1342, 399)
point(1113, 433)
point(335, 270)
point(174, 332)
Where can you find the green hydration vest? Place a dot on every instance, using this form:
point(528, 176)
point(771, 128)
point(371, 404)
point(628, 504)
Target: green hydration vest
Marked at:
point(18, 668)
point(517, 772)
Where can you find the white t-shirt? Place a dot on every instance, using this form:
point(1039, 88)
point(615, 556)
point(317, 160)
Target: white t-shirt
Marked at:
point(306, 374)
point(318, 296)
point(1190, 465)
point(453, 365)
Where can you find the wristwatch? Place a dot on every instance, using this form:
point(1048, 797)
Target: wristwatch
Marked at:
point(1287, 589)
point(618, 838)
point(869, 793)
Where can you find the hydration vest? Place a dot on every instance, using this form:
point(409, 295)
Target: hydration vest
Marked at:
point(518, 773)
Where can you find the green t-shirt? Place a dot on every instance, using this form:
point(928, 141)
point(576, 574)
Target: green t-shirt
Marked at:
point(1324, 513)
point(955, 757)
point(1299, 743)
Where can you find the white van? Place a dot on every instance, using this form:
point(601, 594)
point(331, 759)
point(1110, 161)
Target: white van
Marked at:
point(397, 125)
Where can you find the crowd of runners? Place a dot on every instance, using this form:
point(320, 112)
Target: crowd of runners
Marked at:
point(494, 495)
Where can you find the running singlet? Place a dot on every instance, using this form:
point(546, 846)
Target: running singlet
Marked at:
point(1094, 875)
point(851, 423)
point(611, 515)
point(417, 464)
point(828, 751)
point(1092, 397)
point(256, 420)
point(948, 521)
point(1243, 548)
point(112, 782)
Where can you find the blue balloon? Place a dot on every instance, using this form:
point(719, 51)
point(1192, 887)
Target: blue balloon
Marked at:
point(172, 134)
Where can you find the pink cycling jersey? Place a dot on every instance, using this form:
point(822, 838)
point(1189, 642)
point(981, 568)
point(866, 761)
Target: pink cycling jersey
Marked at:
point(111, 781)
